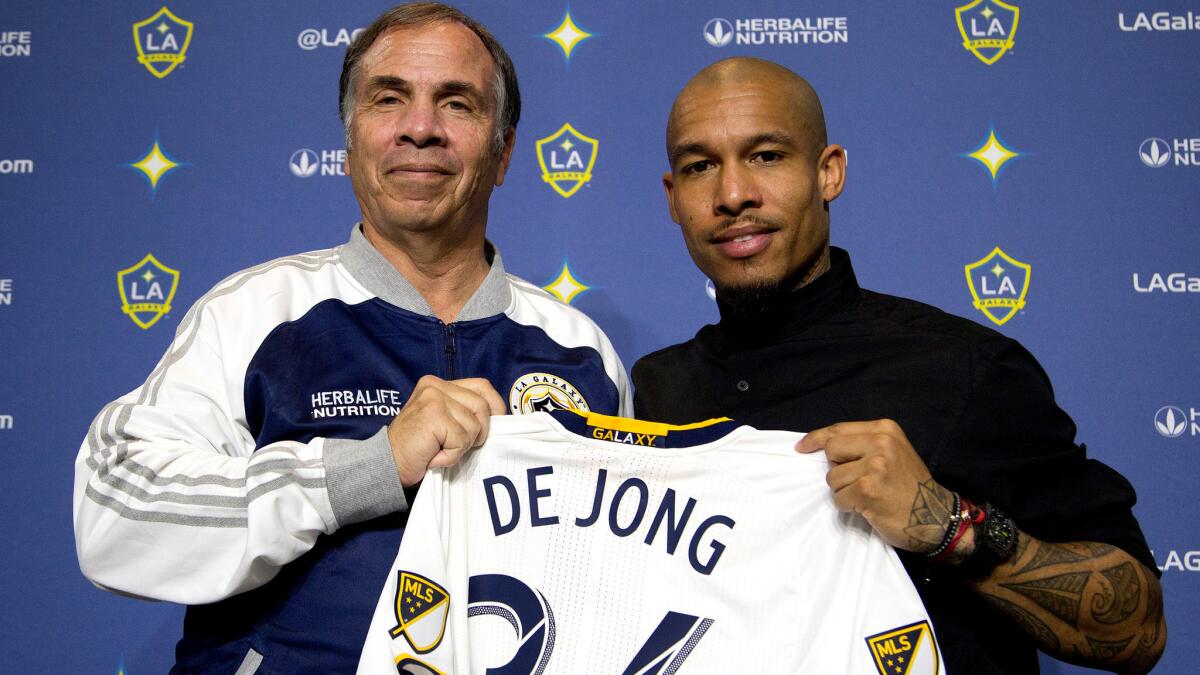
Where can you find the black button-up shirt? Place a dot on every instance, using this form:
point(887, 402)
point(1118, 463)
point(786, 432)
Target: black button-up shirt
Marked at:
point(975, 404)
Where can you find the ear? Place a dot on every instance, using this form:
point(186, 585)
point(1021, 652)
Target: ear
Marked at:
point(510, 138)
point(669, 187)
point(831, 172)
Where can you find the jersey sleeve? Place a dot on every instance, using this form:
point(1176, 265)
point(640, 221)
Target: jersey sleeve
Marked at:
point(173, 502)
point(412, 627)
point(872, 620)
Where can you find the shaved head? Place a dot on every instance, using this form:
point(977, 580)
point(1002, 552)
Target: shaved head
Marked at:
point(750, 180)
point(738, 71)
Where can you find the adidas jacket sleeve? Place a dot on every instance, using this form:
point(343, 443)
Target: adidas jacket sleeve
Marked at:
point(171, 500)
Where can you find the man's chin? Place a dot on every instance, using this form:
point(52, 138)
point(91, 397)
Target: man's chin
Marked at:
point(750, 302)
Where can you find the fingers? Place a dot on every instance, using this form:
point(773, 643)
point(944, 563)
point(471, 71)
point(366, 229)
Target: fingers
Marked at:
point(483, 389)
point(819, 439)
point(440, 422)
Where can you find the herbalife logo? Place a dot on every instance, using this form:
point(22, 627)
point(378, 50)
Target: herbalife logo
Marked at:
point(307, 163)
point(1159, 152)
point(811, 30)
point(1173, 422)
point(718, 32)
point(1155, 153)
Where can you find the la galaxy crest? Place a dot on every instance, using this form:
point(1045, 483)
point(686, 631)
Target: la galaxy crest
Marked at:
point(999, 284)
point(567, 158)
point(987, 28)
point(908, 650)
point(147, 289)
point(162, 42)
point(422, 607)
point(544, 392)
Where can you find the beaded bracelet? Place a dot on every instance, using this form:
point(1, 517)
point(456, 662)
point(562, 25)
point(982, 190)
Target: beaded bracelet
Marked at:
point(951, 530)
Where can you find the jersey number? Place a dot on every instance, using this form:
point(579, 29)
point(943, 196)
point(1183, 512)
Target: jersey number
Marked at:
point(532, 621)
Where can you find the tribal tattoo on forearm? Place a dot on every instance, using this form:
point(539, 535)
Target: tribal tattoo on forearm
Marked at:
point(1084, 602)
point(929, 516)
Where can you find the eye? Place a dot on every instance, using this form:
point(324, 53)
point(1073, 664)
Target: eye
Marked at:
point(767, 156)
point(387, 99)
point(459, 105)
point(697, 167)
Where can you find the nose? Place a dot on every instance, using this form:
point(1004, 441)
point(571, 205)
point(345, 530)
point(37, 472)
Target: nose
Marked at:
point(737, 190)
point(420, 125)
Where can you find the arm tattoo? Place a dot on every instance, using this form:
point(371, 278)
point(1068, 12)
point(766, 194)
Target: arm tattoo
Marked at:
point(929, 516)
point(1105, 651)
point(1106, 607)
point(1060, 595)
point(1045, 556)
point(1119, 603)
point(1153, 615)
point(1028, 622)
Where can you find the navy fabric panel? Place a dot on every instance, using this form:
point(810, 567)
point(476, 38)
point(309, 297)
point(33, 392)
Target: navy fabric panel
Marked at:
point(312, 617)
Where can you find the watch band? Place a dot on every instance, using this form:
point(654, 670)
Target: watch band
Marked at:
point(995, 543)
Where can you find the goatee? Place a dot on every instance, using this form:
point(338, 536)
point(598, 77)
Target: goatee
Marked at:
point(753, 302)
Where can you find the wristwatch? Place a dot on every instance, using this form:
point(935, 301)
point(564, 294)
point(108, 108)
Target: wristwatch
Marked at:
point(995, 543)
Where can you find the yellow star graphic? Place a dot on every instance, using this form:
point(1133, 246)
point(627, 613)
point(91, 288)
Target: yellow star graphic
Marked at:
point(567, 35)
point(566, 287)
point(148, 275)
point(155, 165)
point(163, 28)
point(566, 144)
point(997, 270)
point(993, 155)
point(987, 12)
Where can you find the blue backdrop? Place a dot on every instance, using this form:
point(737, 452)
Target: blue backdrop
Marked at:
point(1088, 110)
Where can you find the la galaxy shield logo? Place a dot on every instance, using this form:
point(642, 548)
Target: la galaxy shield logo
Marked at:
point(567, 158)
point(147, 290)
point(543, 392)
point(162, 42)
point(987, 28)
point(999, 284)
point(908, 650)
point(422, 607)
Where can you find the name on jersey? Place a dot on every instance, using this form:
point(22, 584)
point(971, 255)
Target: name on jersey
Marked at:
point(356, 403)
point(626, 511)
point(626, 437)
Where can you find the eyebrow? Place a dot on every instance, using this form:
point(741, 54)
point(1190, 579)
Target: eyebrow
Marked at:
point(766, 138)
point(449, 87)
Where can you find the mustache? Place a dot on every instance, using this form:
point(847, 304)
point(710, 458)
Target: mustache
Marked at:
point(747, 219)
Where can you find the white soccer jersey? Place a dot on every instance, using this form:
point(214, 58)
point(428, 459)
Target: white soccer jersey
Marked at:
point(573, 544)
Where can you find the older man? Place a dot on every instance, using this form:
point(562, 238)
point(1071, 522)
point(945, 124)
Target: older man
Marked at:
point(260, 473)
point(944, 435)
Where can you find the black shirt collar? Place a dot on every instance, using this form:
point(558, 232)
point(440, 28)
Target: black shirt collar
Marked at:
point(810, 304)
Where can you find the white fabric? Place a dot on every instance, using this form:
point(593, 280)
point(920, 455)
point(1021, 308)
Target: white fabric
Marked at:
point(796, 588)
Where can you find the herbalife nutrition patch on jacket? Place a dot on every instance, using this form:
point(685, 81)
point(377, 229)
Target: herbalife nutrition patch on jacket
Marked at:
point(582, 543)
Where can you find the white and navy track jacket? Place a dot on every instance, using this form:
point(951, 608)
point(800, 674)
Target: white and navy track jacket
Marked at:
point(251, 476)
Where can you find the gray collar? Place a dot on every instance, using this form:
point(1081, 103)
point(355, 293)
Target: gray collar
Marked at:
point(379, 277)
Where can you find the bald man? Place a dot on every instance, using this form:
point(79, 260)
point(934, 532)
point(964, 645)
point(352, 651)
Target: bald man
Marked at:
point(944, 435)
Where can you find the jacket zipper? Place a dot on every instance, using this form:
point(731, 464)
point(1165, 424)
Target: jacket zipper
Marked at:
point(451, 350)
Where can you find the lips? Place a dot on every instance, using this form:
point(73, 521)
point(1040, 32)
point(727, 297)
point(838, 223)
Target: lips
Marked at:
point(416, 170)
point(743, 241)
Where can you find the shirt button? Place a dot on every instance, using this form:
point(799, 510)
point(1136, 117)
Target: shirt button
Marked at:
point(743, 385)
